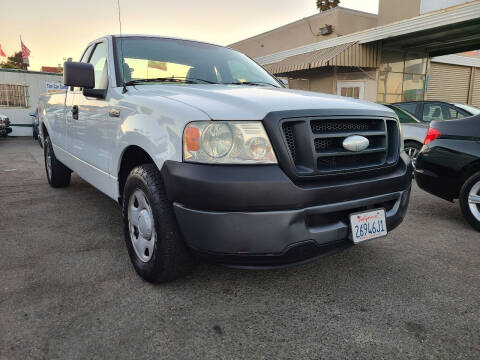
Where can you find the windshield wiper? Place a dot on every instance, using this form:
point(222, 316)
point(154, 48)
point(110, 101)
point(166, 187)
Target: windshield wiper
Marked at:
point(253, 83)
point(173, 79)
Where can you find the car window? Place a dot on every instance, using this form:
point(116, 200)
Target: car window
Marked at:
point(99, 62)
point(408, 107)
point(153, 58)
point(86, 54)
point(454, 113)
point(403, 116)
point(433, 111)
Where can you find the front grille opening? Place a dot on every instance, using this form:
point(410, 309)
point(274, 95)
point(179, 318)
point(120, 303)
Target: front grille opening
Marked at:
point(393, 141)
point(319, 220)
point(349, 162)
point(289, 132)
point(316, 145)
point(346, 125)
point(327, 145)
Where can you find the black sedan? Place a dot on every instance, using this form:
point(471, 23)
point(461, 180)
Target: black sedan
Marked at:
point(449, 164)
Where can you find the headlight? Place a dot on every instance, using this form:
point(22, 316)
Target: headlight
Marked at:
point(227, 142)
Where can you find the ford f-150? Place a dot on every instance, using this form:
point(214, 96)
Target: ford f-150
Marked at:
point(210, 156)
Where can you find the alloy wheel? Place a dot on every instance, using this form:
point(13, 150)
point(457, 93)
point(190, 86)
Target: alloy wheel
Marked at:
point(474, 200)
point(413, 154)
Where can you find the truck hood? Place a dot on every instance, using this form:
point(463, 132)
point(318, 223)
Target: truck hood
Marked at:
point(243, 102)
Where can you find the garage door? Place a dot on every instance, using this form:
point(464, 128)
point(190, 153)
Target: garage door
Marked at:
point(476, 89)
point(448, 83)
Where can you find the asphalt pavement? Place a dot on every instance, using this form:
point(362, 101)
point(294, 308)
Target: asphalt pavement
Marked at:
point(68, 290)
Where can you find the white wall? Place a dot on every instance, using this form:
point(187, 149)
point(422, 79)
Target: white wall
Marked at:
point(433, 5)
point(36, 82)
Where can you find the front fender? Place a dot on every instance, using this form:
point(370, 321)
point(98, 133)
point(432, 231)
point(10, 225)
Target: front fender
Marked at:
point(153, 124)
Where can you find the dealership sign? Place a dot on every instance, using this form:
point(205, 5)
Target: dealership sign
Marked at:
point(55, 87)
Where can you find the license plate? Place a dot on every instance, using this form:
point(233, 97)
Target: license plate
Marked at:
point(368, 225)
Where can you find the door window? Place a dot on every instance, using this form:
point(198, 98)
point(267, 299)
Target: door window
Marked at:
point(99, 62)
point(454, 113)
point(439, 111)
point(403, 116)
point(432, 112)
point(408, 107)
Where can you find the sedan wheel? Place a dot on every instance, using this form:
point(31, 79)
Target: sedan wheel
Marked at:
point(470, 200)
point(474, 200)
point(412, 149)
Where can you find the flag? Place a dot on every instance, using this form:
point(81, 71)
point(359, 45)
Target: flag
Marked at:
point(1, 51)
point(25, 51)
point(160, 65)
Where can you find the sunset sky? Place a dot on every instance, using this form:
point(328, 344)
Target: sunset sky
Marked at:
point(56, 29)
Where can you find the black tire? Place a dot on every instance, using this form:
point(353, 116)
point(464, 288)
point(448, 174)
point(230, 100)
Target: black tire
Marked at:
point(464, 205)
point(170, 258)
point(60, 175)
point(412, 148)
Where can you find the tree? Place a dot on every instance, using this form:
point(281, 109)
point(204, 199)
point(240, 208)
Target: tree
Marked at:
point(7, 65)
point(324, 5)
point(13, 62)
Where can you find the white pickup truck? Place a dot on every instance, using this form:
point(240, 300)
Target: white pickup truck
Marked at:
point(210, 156)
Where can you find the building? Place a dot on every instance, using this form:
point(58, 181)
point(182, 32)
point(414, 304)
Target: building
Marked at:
point(19, 94)
point(52, 69)
point(406, 52)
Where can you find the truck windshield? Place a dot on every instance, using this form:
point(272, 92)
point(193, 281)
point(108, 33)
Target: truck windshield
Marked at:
point(143, 58)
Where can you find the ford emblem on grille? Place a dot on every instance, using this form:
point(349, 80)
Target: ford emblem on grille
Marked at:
point(355, 143)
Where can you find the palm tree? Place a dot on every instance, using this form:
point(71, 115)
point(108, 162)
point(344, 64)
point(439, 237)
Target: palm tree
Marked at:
point(324, 5)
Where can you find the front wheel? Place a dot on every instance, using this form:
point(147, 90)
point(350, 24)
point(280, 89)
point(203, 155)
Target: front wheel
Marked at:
point(58, 175)
point(470, 200)
point(154, 242)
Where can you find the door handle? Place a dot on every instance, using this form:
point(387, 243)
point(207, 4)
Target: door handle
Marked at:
point(75, 112)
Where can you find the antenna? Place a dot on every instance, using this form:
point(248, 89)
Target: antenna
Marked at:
point(121, 48)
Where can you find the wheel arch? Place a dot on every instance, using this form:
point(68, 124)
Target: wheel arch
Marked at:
point(131, 157)
point(467, 172)
point(412, 140)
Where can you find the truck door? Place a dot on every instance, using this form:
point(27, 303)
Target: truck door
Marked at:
point(91, 132)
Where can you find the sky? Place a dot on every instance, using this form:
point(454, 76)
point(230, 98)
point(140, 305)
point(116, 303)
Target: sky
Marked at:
point(58, 29)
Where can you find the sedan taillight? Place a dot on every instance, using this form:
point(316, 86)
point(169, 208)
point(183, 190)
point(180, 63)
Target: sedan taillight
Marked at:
point(431, 135)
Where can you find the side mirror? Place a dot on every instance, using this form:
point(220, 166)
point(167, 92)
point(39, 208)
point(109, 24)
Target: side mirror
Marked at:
point(78, 74)
point(32, 114)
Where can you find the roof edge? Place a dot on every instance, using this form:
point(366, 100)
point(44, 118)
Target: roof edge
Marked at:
point(330, 11)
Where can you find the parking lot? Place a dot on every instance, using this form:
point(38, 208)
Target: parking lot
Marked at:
point(67, 289)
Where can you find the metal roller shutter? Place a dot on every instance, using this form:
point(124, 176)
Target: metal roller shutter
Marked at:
point(449, 83)
point(476, 89)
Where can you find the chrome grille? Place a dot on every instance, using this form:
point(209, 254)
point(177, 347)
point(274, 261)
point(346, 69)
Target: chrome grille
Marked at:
point(316, 145)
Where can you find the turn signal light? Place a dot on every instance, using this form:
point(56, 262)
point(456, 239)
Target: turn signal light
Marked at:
point(431, 135)
point(192, 137)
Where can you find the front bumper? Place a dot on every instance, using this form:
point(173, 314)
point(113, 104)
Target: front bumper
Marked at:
point(255, 216)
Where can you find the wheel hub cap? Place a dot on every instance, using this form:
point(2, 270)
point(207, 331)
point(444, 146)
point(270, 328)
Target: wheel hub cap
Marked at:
point(141, 225)
point(145, 224)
